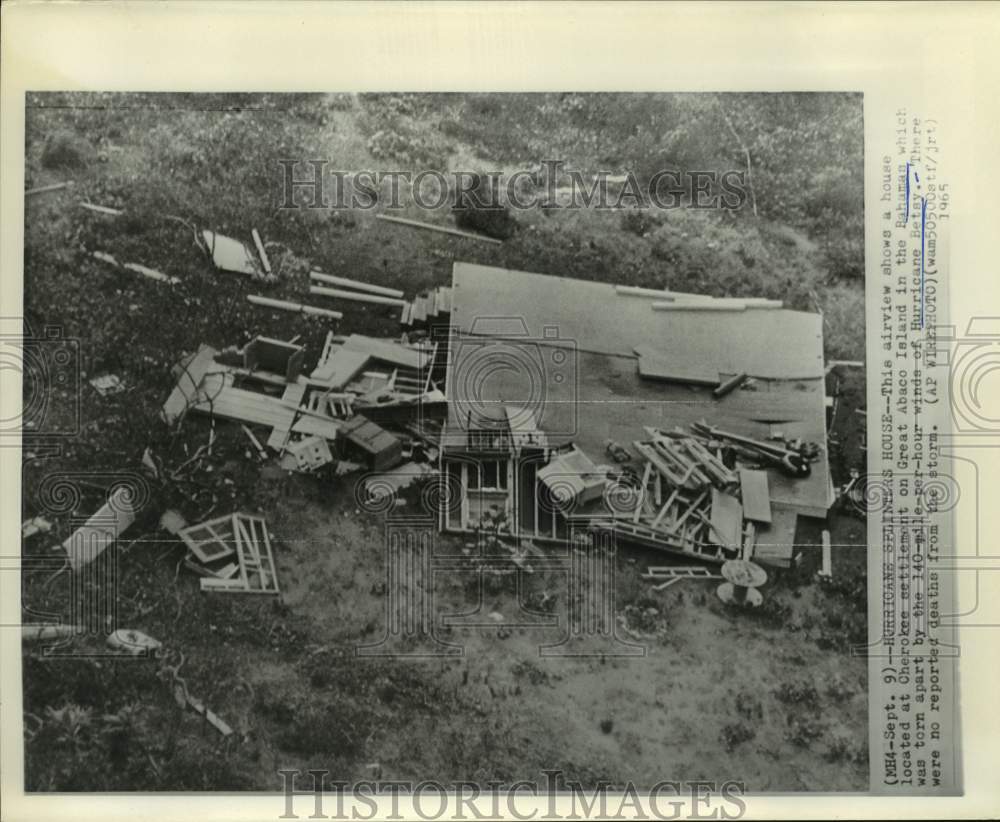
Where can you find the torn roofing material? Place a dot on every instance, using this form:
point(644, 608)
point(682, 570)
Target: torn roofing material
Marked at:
point(594, 317)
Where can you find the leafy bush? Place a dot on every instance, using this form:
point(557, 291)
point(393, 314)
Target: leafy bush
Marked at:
point(63, 150)
point(804, 731)
point(749, 706)
point(843, 748)
point(798, 692)
point(736, 734)
point(475, 210)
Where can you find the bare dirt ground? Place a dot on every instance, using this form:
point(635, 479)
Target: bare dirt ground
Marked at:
point(775, 699)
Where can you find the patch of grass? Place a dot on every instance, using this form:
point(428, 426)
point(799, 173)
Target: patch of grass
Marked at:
point(801, 693)
point(803, 731)
point(735, 734)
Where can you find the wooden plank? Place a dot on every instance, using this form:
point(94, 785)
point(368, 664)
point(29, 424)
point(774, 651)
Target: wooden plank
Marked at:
point(706, 306)
point(241, 555)
point(827, 569)
point(52, 187)
point(101, 530)
point(727, 518)
point(356, 284)
point(749, 540)
point(99, 209)
point(355, 296)
point(756, 496)
point(442, 229)
point(419, 309)
point(193, 370)
point(298, 308)
point(692, 508)
point(689, 298)
point(294, 393)
point(666, 507)
point(278, 438)
point(729, 386)
point(404, 356)
point(642, 492)
point(264, 261)
point(268, 548)
point(673, 477)
point(776, 542)
point(654, 365)
point(151, 273)
point(245, 406)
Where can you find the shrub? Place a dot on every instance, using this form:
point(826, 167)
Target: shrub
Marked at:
point(736, 734)
point(478, 210)
point(843, 748)
point(63, 150)
point(638, 221)
point(804, 731)
point(798, 692)
point(748, 706)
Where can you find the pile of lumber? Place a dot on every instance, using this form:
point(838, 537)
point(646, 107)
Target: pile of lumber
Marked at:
point(683, 461)
point(428, 310)
point(689, 500)
point(353, 290)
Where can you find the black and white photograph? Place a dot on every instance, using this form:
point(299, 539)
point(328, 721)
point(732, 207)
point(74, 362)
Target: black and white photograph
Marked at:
point(452, 410)
point(444, 438)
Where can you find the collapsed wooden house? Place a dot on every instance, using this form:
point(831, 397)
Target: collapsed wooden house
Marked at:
point(582, 404)
point(358, 383)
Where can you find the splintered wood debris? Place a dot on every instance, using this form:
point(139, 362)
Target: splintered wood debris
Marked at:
point(108, 384)
point(306, 455)
point(35, 525)
point(689, 500)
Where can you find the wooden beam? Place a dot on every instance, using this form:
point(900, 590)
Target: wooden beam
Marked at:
point(260, 250)
point(443, 229)
point(373, 289)
point(355, 296)
point(691, 508)
point(827, 569)
point(642, 492)
point(755, 494)
point(665, 508)
point(729, 386)
point(152, 273)
point(53, 187)
point(113, 212)
point(727, 519)
point(298, 308)
point(713, 306)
